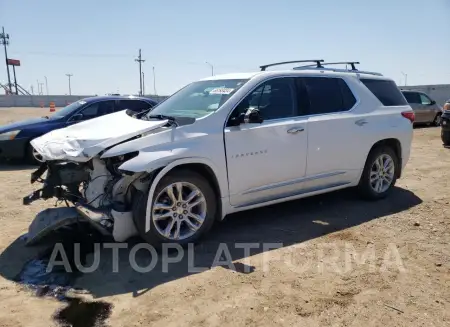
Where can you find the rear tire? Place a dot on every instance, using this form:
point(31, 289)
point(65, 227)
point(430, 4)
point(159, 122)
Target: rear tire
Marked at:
point(379, 174)
point(445, 137)
point(178, 216)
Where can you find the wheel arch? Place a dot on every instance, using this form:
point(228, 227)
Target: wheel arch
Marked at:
point(396, 146)
point(201, 166)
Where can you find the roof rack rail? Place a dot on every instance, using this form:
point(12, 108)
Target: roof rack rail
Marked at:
point(317, 61)
point(351, 63)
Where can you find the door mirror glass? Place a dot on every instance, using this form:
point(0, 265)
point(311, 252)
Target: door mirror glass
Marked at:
point(76, 118)
point(253, 116)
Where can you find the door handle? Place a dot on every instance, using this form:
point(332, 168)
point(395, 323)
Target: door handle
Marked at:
point(295, 130)
point(361, 122)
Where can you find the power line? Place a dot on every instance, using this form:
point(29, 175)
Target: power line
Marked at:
point(140, 61)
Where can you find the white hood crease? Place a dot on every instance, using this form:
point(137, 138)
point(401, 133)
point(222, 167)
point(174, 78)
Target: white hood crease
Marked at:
point(82, 141)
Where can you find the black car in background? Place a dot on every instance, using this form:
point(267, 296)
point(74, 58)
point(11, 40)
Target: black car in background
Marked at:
point(15, 137)
point(445, 124)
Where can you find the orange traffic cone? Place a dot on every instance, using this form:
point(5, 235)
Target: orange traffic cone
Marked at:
point(52, 107)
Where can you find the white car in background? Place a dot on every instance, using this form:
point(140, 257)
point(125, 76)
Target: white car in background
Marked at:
point(229, 143)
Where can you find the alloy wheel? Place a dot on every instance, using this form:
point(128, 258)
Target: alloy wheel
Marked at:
point(179, 211)
point(382, 173)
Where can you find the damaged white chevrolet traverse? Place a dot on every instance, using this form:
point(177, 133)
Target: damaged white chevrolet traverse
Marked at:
point(225, 144)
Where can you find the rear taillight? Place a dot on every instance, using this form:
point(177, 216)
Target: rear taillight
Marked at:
point(409, 115)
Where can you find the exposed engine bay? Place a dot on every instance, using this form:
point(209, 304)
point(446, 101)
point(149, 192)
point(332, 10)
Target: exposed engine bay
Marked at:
point(99, 191)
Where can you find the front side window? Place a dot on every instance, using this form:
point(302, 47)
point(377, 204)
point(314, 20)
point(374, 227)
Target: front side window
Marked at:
point(424, 99)
point(198, 99)
point(274, 99)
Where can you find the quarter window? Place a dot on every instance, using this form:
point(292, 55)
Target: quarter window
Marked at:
point(386, 91)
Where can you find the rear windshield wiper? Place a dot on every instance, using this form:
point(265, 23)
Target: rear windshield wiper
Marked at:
point(171, 119)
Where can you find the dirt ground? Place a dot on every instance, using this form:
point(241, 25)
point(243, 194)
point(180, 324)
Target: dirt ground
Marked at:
point(340, 261)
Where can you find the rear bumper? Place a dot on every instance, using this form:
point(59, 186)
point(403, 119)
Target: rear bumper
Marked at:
point(13, 149)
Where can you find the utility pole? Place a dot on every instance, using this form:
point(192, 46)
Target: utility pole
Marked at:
point(4, 39)
point(143, 84)
point(32, 92)
point(42, 88)
point(46, 84)
point(69, 76)
point(154, 81)
point(212, 68)
point(140, 61)
point(406, 78)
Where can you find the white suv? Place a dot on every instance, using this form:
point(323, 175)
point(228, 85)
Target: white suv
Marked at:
point(229, 143)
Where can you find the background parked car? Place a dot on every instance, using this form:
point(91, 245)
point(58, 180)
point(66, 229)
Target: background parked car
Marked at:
point(425, 109)
point(15, 138)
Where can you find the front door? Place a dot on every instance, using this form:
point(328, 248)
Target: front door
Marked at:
point(267, 161)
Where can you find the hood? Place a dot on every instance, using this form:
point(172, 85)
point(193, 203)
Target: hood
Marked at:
point(82, 141)
point(23, 124)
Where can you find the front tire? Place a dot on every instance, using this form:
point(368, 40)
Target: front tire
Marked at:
point(183, 209)
point(379, 174)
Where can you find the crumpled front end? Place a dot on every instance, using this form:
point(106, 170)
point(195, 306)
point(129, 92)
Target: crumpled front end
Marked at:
point(100, 193)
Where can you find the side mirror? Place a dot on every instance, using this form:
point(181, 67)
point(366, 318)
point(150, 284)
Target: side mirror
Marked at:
point(432, 102)
point(76, 118)
point(253, 116)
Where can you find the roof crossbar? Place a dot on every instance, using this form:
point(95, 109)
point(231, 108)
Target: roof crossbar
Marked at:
point(317, 61)
point(351, 63)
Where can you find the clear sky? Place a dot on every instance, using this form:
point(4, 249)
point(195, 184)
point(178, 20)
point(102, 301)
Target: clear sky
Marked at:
point(97, 40)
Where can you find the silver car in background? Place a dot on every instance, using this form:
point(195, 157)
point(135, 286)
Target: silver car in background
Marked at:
point(425, 109)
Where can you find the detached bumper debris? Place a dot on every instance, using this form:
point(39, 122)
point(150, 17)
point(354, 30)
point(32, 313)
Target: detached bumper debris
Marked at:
point(49, 220)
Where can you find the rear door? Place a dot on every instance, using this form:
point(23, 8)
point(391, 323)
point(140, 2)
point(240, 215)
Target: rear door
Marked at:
point(335, 134)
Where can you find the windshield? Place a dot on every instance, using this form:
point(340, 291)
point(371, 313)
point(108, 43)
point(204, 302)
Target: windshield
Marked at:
point(68, 109)
point(198, 99)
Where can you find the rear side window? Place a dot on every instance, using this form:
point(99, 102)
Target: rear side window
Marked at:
point(386, 91)
point(412, 97)
point(328, 95)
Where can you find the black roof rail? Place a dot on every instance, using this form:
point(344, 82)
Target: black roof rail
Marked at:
point(317, 61)
point(351, 63)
